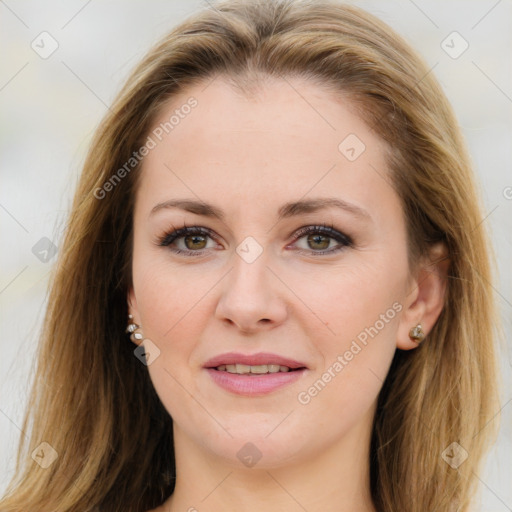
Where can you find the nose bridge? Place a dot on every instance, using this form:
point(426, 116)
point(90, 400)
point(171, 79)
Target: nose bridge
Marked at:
point(249, 278)
point(250, 292)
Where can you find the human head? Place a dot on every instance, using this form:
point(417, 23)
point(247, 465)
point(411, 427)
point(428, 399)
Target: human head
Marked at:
point(341, 312)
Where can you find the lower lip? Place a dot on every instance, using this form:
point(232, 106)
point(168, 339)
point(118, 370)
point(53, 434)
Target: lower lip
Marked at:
point(252, 385)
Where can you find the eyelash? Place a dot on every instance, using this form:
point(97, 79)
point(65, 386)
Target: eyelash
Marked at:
point(326, 230)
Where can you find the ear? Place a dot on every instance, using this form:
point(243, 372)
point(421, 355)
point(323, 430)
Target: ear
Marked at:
point(132, 310)
point(426, 296)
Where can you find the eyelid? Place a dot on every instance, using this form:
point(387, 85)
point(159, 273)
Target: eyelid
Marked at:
point(175, 233)
point(326, 229)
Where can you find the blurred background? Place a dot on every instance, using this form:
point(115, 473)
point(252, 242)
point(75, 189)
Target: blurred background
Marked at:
point(62, 65)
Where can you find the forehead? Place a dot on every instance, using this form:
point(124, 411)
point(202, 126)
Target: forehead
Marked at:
point(288, 139)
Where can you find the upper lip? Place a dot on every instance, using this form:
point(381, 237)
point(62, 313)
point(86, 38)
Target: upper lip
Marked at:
point(252, 360)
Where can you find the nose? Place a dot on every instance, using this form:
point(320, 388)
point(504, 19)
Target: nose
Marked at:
point(251, 297)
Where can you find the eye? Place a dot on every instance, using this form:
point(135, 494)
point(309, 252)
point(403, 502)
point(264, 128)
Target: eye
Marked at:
point(319, 238)
point(193, 241)
point(188, 240)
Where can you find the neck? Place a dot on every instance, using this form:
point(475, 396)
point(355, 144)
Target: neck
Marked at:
point(336, 479)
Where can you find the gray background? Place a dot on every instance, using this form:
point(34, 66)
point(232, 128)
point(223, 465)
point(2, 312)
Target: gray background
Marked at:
point(50, 107)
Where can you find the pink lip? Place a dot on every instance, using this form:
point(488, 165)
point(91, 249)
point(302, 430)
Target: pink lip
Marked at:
point(253, 385)
point(252, 360)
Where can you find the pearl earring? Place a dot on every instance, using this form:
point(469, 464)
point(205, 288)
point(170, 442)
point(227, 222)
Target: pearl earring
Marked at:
point(132, 329)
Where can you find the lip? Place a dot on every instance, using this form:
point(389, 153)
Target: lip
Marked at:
point(254, 385)
point(253, 360)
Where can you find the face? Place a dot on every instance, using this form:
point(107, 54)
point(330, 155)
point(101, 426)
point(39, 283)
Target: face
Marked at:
point(318, 287)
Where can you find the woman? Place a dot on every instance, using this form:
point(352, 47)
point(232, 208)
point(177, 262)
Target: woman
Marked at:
point(274, 290)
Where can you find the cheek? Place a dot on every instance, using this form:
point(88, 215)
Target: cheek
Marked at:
point(168, 294)
point(349, 297)
point(168, 304)
point(356, 358)
point(361, 307)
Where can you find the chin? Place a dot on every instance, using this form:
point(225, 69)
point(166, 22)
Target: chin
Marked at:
point(252, 448)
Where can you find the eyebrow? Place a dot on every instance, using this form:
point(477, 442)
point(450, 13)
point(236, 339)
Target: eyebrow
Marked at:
point(288, 210)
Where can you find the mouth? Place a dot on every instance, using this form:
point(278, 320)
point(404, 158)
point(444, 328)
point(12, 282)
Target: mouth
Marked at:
point(251, 370)
point(253, 364)
point(253, 375)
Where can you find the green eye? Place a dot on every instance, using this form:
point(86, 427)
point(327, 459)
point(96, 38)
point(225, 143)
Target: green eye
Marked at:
point(320, 237)
point(194, 240)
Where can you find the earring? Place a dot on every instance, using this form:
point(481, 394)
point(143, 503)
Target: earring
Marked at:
point(132, 329)
point(416, 334)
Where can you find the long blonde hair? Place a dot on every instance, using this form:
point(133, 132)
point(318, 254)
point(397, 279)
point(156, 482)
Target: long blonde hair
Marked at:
point(93, 401)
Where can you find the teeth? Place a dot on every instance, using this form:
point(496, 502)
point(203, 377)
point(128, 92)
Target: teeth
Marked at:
point(242, 368)
point(262, 368)
point(256, 369)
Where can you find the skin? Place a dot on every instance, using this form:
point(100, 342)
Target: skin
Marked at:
point(249, 157)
